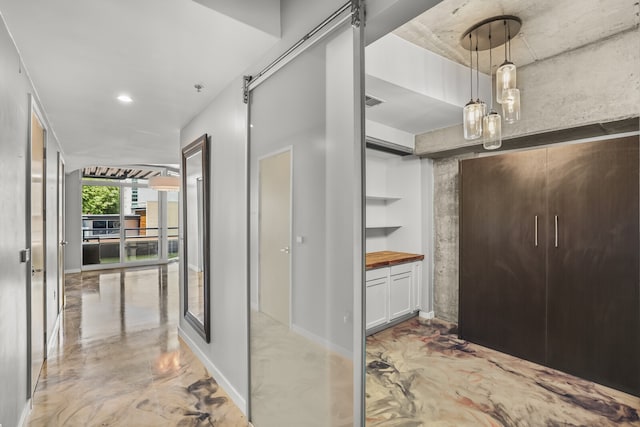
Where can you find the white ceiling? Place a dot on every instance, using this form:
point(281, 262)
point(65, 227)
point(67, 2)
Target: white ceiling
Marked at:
point(82, 54)
point(549, 28)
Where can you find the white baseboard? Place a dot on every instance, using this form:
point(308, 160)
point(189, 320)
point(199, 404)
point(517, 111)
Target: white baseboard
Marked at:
point(53, 338)
point(195, 268)
point(323, 342)
point(22, 422)
point(427, 314)
point(72, 270)
point(215, 372)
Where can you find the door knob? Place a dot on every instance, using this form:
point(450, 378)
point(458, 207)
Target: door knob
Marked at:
point(63, 243)
point(285, 250)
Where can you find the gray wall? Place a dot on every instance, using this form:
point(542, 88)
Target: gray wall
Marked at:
point(15, 88)
point(224, 120)
point(598, 82)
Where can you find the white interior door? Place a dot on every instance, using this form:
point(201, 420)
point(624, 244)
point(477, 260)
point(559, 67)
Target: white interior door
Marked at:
point(275, 236)
point(37, 300)
point(61, 233)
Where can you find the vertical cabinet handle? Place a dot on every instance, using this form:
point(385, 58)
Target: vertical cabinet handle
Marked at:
point(556, 222)
point(535, 236)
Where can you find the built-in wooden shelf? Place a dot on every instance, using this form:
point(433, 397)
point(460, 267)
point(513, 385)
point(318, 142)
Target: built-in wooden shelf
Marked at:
point(382, 226)
point(383, 198)
point(389, 258)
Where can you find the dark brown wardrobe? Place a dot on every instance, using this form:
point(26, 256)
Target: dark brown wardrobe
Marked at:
point(549, 258)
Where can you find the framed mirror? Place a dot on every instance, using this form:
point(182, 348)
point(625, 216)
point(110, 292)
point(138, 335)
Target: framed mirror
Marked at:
point(195, 222)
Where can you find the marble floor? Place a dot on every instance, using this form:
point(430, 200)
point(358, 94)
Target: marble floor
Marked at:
point(119, 362)
point(420, 374)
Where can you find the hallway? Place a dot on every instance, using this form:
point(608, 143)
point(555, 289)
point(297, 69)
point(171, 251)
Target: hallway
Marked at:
point(119, 361)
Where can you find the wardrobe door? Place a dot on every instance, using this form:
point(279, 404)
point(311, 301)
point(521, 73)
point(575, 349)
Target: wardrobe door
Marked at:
point(593, 270)
point(502, 261)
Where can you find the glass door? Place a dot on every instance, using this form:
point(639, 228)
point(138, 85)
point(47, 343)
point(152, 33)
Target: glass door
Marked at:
point(127, 223)
point(142, 219)
point(100, 224)
point(173, 223)
point(306, 260)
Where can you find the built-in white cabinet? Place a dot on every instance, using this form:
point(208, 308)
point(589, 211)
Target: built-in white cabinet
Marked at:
point(392, 292)
point(400, 290)
point(376, 295)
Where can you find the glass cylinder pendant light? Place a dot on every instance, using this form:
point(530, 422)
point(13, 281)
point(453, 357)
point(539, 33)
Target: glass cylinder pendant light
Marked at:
point(473, 113)
point(485, 35)
point(471, 116)
point(481, 109)
point(492, 131)
point(505, 80)
point(472, 120)
point(511, 105)
point(491, 123)
point(506, 73)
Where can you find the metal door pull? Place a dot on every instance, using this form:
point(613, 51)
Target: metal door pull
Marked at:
point(535, 237)
point(556, 221)
point(285, 249)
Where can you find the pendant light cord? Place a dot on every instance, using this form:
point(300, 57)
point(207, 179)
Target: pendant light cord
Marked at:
point(490, 70)
point(477, 71)
point(505, 37)
point(470, 69)
point(509, 41)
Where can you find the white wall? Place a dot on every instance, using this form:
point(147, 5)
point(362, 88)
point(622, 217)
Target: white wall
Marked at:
point(226, 355)
point(422, 71)
point(389, 134)
point(15, 87)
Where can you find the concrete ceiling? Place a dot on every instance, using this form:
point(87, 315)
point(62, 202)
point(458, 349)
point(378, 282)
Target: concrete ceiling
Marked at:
point(549, 28)
point(82, 54)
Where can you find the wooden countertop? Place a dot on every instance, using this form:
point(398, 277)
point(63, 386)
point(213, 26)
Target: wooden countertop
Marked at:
point(388, 258)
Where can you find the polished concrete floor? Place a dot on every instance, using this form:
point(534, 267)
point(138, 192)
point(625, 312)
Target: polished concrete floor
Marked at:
point(420, 374)
point(119, 362)
point(296, 382)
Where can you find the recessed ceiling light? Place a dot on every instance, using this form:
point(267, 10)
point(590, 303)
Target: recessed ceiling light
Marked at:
point(125, 99)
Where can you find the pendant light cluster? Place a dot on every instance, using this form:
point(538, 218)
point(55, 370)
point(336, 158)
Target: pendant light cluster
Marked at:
point(477, 122)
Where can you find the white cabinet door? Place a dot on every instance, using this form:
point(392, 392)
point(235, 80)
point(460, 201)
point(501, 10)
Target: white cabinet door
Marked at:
point(400, 292)
point(377, 291)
